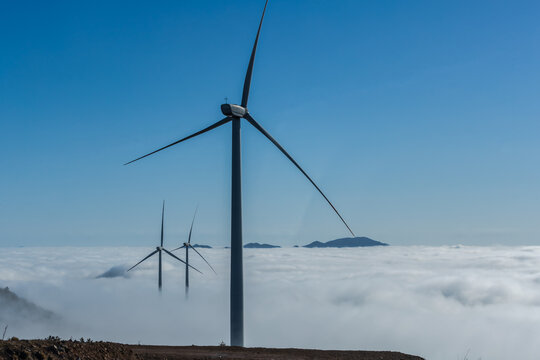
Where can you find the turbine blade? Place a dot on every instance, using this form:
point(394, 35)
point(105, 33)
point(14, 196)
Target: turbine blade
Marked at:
point(203, 259)
point(162, 219)
point(191, 228)
point(247, 81)
point(211, 127)
point(152, 253)
point(178, 248)
point(265, 133)
point(182, 261)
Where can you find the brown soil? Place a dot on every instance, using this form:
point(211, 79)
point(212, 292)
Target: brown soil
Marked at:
point(55, 349)
point(229, 352)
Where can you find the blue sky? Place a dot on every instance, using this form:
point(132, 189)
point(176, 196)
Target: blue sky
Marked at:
point(418, 119)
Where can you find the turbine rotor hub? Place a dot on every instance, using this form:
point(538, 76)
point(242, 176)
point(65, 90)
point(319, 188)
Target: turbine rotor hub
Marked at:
point(186, 244)
point(233, 110)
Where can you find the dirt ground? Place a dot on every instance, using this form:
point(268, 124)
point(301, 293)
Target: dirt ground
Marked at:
point(228, 352)
point(56, 349)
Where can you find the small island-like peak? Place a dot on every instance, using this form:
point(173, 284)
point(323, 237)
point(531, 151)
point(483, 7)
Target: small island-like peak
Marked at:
point(201, 246)
point(346, 242)
point(260, 246)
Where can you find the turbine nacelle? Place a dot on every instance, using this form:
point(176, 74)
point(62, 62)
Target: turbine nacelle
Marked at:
point(186, 244)
point(233, 110)
point(159, 248)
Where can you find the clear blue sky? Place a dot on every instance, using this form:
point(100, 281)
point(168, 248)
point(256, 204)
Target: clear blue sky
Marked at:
point(419, 119)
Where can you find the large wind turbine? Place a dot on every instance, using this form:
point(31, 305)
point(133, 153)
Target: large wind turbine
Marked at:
point(159, 249)
point(234, 113)
point(187, 245)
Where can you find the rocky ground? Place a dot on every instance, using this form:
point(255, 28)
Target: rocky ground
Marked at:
point(54, 349)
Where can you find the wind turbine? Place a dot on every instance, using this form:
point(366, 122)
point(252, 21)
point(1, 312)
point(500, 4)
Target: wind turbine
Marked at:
point(187, 245)
point(159, 249)
point(234, 113)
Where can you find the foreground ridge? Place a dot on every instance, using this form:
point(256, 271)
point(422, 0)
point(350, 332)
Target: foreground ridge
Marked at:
point(54, 348)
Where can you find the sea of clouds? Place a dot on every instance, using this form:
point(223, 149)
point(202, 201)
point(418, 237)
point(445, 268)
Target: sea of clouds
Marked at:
point(441, 303)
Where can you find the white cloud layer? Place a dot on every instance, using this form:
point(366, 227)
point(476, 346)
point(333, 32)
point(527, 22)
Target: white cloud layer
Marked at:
point(436, 302)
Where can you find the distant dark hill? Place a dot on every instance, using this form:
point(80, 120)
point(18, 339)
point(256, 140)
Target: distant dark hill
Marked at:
point(260, 246)
point(15, 309)
point(346, 242)
point(202, 246)
point(115, 271)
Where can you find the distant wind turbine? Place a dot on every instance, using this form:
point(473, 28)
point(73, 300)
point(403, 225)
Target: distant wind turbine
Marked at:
point(159, 249)
point(187, 245)
point(234, 113)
